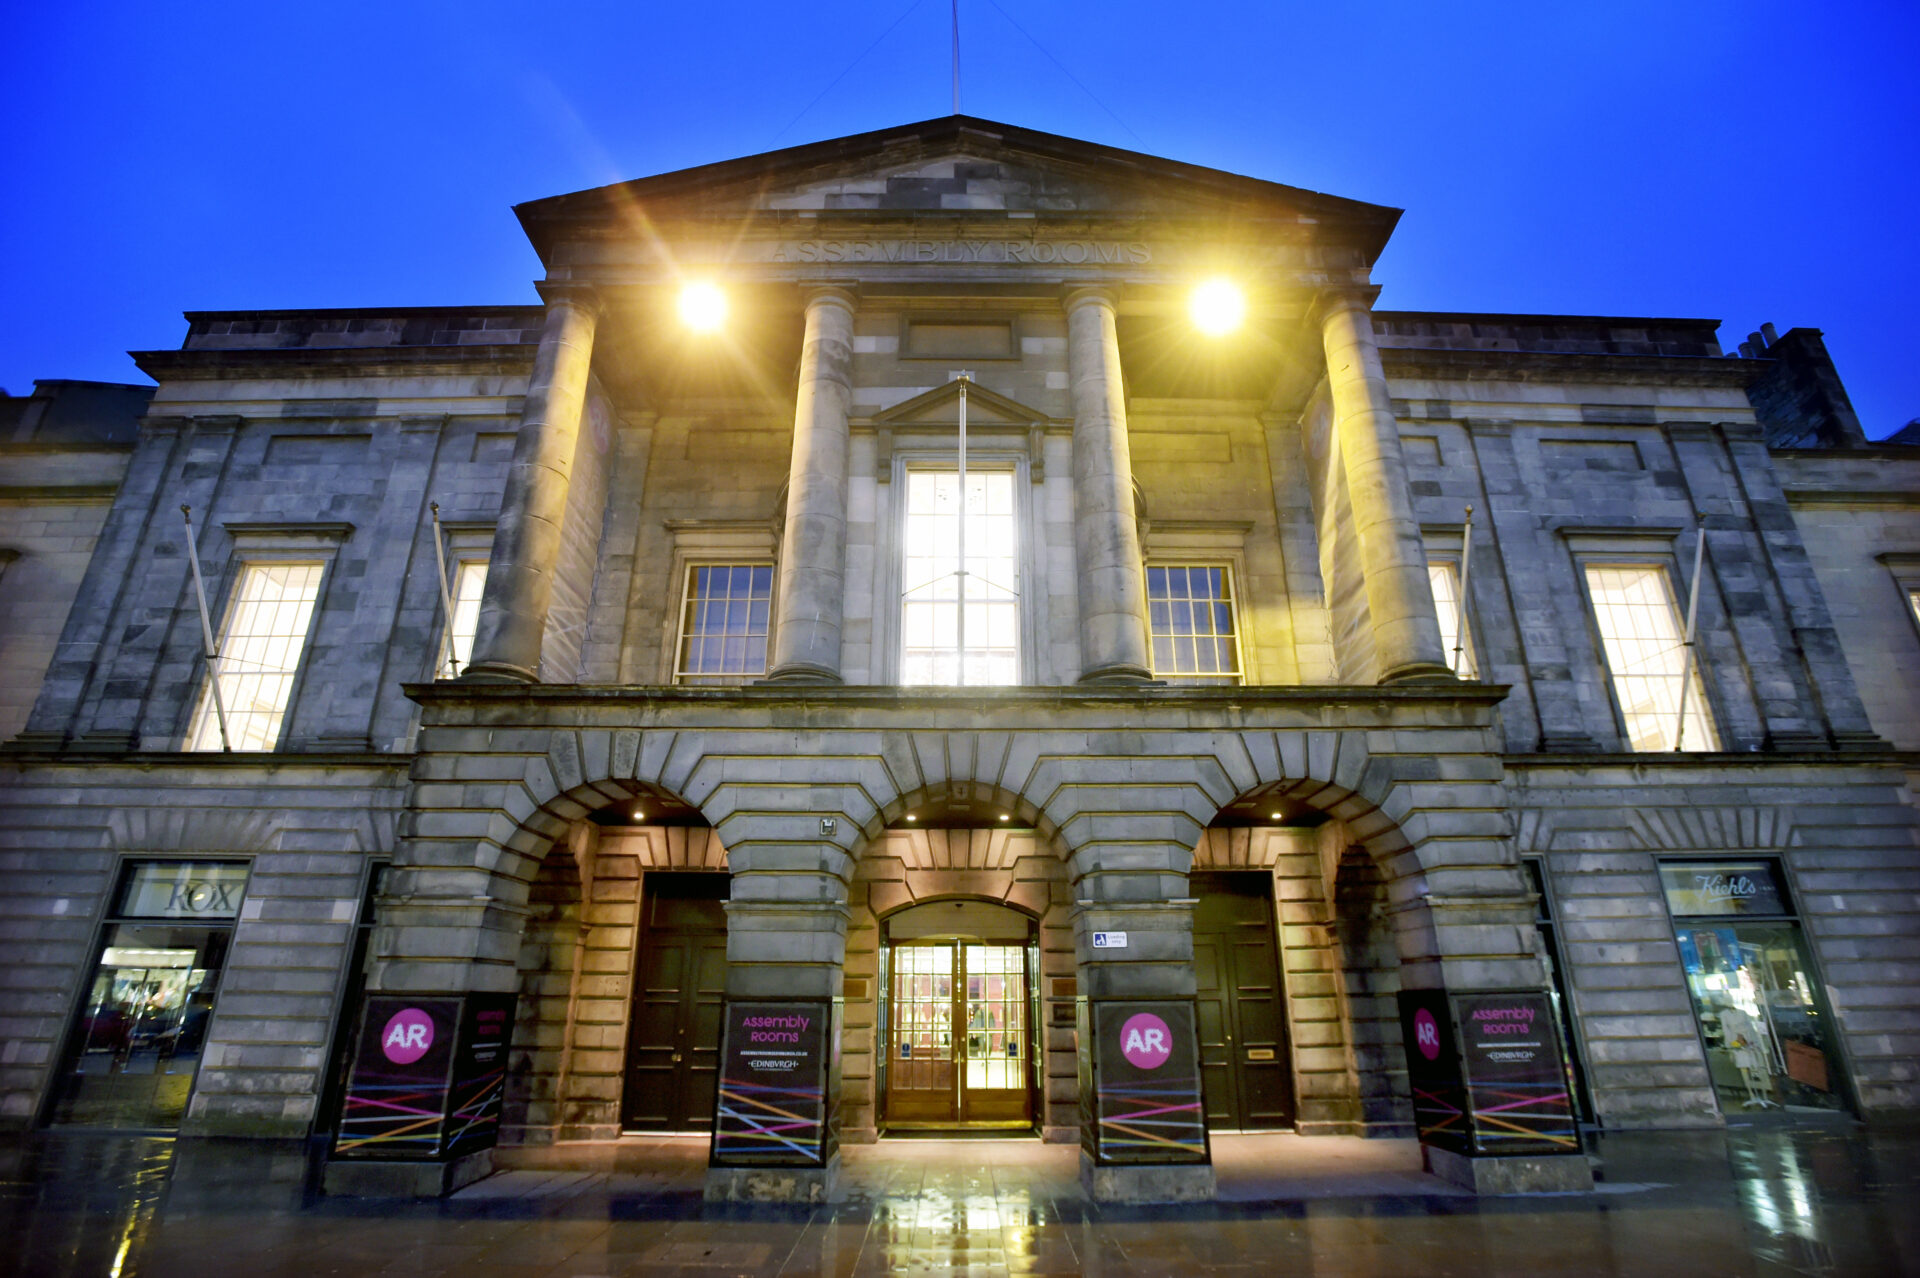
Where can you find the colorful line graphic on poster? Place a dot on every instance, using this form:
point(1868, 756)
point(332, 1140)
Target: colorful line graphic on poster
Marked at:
point(773, 1085)
point(426, 1080)
point(1147, 1094)
point(1516, 1081)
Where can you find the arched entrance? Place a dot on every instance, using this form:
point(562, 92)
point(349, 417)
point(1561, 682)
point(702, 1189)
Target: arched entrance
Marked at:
point(959, 1017)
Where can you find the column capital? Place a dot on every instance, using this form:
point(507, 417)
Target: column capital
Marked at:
point(1078, 295)
point(845, 294)
point(1335, 298)
point(568, 293)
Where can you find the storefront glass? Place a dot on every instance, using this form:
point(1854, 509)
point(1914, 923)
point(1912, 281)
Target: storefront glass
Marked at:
point(142, 1026)
point(1769, 1039)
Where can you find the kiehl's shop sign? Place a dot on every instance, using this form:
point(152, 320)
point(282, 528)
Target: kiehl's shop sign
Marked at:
point(1696, 888)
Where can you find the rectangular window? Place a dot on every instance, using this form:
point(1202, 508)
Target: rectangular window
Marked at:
point(1640, 628)
point(724, 623)
point(260, 648)
point(1913, 601)
point(131, 1058)
point(939, 646)
point(1445, 578)
point(1190, 616)
point(469, 582)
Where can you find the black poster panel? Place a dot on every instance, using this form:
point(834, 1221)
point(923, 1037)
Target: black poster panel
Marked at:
point(774, 1076)
point(1516, 1081)
point(396, 1101)
point(1433, 1070)
point(479, 1073)
point(1146, 1062)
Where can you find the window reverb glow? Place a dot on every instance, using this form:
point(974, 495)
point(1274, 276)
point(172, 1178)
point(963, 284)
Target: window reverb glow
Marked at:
point(1191, 624)
point(724, 623)
point(931, 641)
point(1640, 629)
point(260, 649)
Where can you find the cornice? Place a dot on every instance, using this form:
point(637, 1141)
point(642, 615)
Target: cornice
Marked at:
point(363, 360)
point(1534, 366)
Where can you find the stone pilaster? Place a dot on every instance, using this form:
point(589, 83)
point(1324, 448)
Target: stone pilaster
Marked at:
point(811, 593)
point(526, 547)
point(1106, 536)
point(1406, 634)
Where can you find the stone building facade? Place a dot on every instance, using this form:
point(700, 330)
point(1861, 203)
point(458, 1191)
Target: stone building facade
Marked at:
point(699, 738)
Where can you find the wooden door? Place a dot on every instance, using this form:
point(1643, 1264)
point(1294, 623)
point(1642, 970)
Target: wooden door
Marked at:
point(959, 1046)
point(680, 976)
point(1246, 1070)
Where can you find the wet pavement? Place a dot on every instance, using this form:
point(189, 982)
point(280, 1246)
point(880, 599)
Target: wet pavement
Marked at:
point(1828, 1200)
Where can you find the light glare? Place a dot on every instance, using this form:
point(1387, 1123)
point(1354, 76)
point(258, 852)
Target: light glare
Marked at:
point(702, 307)
point(1218, 308)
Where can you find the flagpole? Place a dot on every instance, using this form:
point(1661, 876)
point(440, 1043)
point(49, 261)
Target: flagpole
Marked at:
point(446, 595)
point(206, 631)
point(1693, 609)
point(960, 630)
point(1460, 605)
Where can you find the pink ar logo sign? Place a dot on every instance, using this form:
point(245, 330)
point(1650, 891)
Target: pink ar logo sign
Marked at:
point(1145, 1041)
point(1426, 1034)
point(407, 1036)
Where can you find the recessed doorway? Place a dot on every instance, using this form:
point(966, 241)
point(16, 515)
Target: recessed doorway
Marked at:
point(959, 1018)
point(679, 988)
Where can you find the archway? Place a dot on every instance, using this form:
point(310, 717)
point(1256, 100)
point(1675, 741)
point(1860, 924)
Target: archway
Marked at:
point(975, 852)
point(599, 916)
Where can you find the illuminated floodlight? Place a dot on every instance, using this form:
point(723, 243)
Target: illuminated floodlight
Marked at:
point(1217, 307)
point(703, 307)
point(1274, 816)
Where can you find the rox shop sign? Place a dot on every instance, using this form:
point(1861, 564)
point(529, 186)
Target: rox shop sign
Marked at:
point(184, 890)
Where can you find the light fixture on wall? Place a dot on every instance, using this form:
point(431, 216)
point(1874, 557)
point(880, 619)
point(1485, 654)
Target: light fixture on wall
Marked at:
point(639, 814)
point(1005, 817)
point(703, 307)
point(1217, 307)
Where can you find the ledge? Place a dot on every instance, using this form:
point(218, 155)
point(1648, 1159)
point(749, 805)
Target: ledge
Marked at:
point(891, 697)
point(1526, 366)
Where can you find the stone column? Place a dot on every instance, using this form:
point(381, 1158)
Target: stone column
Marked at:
point(1106, 538)
point(526, 545)
point(811, 593)
point(1406, 634)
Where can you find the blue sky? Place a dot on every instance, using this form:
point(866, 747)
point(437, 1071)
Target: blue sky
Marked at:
point(1739, 161)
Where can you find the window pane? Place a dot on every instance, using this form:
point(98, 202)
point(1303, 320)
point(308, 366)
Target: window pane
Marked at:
point(723, 634)
point(1640, 630)
point(931, 580)
point(260, 649)
point(1190, 619)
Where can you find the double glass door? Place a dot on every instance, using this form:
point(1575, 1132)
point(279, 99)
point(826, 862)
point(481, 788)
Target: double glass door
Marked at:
point(958, 1049)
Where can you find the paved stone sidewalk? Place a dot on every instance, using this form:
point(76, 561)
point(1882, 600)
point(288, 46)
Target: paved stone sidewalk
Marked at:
point(1755, 1201)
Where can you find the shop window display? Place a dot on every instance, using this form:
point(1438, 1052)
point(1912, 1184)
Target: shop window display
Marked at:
point(143, 1021)
point(1769, 1038)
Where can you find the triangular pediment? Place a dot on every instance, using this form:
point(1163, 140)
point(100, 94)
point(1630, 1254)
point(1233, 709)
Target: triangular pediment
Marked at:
point(941, 407)
point(950, 167)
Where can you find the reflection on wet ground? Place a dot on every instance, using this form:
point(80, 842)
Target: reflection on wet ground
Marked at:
point(1830, 1200)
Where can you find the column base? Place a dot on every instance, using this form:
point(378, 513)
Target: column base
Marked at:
point(1133, 676)
point(1541, 1174)
point(1419, 672)
point(377, 1178)
point(774, 1184)
point(1147, 1182)
point(816, 676)
point(497, 672)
